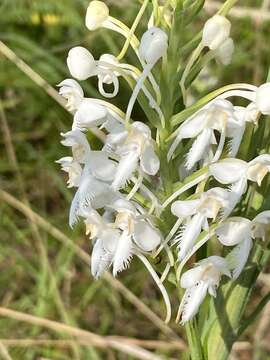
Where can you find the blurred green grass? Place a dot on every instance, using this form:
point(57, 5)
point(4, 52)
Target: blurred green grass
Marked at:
point(41, 33)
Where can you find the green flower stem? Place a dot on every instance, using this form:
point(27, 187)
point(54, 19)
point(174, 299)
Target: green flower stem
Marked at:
point(226, 7)
point(229, 308)
point(132, 29)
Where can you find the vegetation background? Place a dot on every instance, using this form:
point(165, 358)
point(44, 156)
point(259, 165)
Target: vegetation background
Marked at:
point(44, 266)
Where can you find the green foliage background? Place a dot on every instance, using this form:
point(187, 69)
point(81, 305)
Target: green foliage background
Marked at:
point(41, 33)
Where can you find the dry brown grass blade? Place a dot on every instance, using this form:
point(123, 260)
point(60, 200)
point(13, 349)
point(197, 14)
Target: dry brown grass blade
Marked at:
point(148, 344)
point(239, 11)
point(4, 352)
point(57, 234)
point(36, 78)
point(94, 339)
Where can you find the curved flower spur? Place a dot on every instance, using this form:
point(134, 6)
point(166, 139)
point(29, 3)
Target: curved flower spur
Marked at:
point(125, 221)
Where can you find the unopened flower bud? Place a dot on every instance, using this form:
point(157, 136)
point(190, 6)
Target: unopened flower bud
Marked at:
point(263, 98)
point(216, 30)
point(97, 12)
point(153, 46)
point(225, 52)
point(81, 63)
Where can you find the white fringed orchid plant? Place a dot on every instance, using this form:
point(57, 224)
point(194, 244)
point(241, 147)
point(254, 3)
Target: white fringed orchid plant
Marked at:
point(175, 175)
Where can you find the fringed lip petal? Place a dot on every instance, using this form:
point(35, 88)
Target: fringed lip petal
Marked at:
point(189, 235)
point(233, 231)
point(228, 171)
point(198, 148)
point(127, 165)
point(238, 257)
point(123, 253)
point(192, 300)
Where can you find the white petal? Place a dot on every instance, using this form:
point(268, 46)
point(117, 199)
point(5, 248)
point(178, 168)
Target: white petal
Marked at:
point(192, 300)
point(235, 141)
point(142, 128)
point(228, 171)
point(101, 167)
point(191, 277)
point(225, 52)
point(97, 13)
point(110, 239)
point(262, 218)
point(219, 263)
point(198, 148)
point(153, 45)
point(189, 235)
point(145, 236)
point(233, 231)
point(194, 125)
point(238, 257)
point(149, 161)
point(123, 253)
point(261, 159)
point(89, 115)
point(81, 63)
point(123, 205)
point(261, 225)
point(216, 30)
point(185, 208)
point(262, 98)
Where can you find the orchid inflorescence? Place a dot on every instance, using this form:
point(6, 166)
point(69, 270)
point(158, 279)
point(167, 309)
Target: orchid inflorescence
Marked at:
point(168, 166)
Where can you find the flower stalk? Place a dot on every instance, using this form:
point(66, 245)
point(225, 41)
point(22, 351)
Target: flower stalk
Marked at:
point(178, 179)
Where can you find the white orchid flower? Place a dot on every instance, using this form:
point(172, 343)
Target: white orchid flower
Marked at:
point(203, 278)
point(217, 115)
point(72, 92)
point(197, 212)
point(240, 232)
point(117, 241)
point(121, 239)
point(78, 143)
point(88, 112)
point(137, 233)
point(82, 65)
point(236, 173)
point(94, 189)
point(136, 150)
point(215, 32)
point(105, 238)
point(73, 168)
point(153, 46)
